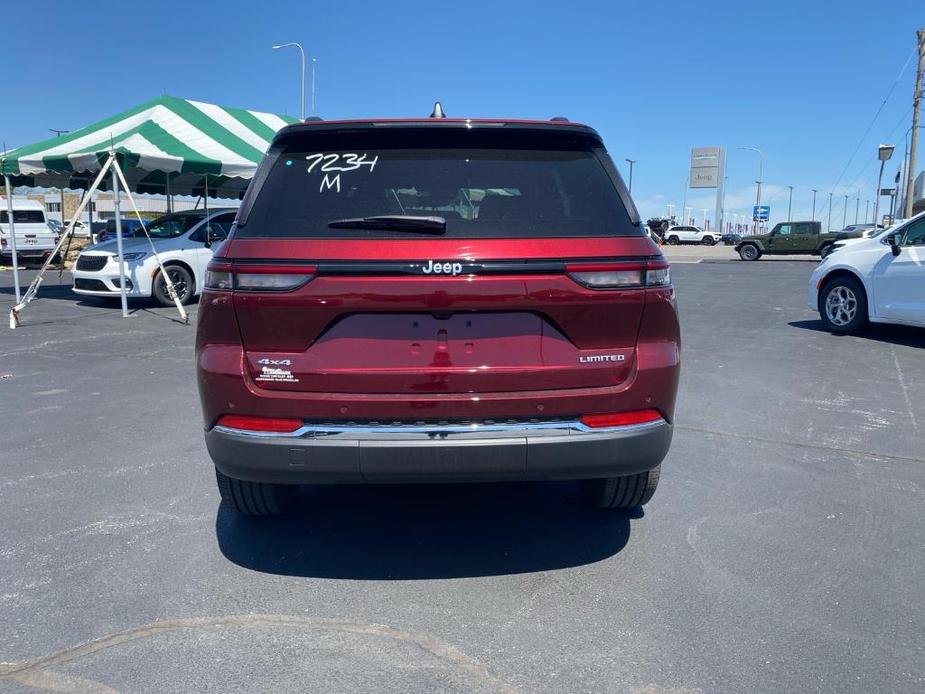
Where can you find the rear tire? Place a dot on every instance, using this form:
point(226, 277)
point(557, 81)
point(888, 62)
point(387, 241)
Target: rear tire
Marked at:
point(749, 252)
point(255, 498)
point(621, 492)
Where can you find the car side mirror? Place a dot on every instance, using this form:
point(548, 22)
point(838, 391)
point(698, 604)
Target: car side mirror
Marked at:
point(893, 240)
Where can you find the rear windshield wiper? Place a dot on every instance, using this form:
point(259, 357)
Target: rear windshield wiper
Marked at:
point(393, 222)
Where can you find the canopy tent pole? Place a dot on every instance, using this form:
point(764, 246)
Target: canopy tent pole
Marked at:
point(118, 215)
point(169, 196)
point(171, 289)
point(12, 225)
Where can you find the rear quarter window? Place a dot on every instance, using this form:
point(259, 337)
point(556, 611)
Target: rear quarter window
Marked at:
point(23, 217)
point(483, 185)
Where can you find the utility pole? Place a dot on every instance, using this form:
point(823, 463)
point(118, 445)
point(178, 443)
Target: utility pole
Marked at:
point(916, 112)
point(815, 190)
point(790, 203)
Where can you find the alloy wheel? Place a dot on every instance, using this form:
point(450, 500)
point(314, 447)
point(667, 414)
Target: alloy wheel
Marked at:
point(179, 283)
point(841, 305)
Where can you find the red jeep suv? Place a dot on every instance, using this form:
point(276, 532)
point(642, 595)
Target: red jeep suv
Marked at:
point(437, 300)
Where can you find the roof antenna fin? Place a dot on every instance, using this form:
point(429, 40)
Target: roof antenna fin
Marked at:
point(438, 111)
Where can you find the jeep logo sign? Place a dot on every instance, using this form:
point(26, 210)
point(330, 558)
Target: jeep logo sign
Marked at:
point(433, 268)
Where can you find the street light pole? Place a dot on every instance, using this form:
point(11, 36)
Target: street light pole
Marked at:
point(760, 176)
point(815, 190)
point(790, 203)
point(314, 74)
point(631, 162)
point(844, 216)
point(866, 210)
point(857, 205)
point(884, 152)
point(829, 224)
point(302, 51)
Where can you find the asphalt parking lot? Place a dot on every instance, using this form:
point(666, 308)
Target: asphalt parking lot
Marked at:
point(782, 552)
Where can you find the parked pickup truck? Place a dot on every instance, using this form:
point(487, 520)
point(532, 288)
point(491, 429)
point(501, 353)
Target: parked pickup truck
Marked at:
point(792, 238)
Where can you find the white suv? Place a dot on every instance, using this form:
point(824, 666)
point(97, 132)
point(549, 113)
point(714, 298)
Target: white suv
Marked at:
point(682, 234)
point(879, 279)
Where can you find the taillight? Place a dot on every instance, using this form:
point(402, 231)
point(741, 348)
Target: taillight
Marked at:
point(621, 419)
point(267, 424)
point(620, 275)
point(257, 278)
point(218, 276)
point(657, 273)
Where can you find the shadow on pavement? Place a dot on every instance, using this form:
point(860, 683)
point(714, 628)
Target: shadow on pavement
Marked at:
point(394, 532)
point(50, 290)
point(890, 334)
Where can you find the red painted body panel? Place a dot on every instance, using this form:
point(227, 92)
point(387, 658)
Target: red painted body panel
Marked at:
point(442, 249)
point(650, 379)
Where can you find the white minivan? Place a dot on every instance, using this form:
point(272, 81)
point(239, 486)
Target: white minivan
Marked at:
point(35, 240)
point(879, 279)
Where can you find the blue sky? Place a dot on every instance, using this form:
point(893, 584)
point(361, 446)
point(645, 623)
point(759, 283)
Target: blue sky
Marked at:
point(800, 80)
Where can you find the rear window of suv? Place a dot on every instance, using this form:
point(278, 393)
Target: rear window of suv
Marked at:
point(23, 217)
point(484, 184)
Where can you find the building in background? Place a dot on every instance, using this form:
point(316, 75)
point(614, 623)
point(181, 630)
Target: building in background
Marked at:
point(102, 207)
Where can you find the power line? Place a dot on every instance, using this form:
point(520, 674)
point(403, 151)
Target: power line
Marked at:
point(876, 116)
point(866, 166)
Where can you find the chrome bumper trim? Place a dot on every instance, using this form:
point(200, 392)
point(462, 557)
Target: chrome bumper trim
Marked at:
point(314, 431)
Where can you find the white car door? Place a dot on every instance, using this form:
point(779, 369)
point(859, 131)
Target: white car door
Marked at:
point(218, 228)
point(899, 281)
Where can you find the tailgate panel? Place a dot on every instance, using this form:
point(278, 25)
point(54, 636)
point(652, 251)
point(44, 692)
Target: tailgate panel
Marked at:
point(420, 353)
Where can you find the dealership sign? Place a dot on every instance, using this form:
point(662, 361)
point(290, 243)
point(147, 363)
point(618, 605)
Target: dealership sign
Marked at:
point(708, 166)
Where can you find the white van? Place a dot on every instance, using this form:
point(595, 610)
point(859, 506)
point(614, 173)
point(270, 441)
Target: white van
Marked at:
point(34, 238)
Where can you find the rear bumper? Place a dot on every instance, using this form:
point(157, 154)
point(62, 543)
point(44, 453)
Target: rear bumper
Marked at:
point(440, 453)
point(27, 252)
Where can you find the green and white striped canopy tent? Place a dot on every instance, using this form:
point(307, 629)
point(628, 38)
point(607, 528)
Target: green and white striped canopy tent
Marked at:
point(167, 146)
